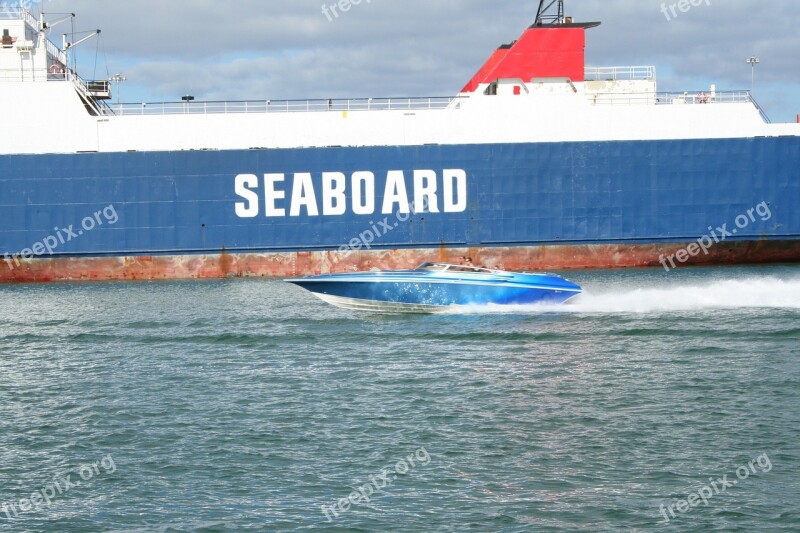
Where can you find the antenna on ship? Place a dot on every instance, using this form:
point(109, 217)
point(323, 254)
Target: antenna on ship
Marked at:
point(544, 15)
point(548, 16)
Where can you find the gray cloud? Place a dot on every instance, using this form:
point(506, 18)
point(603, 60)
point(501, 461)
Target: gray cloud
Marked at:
point(252, 49)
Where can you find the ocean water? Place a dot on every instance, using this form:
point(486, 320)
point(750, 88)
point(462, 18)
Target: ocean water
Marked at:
point(655, 402)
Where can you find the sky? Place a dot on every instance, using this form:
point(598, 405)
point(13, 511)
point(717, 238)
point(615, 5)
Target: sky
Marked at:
point(290, 49)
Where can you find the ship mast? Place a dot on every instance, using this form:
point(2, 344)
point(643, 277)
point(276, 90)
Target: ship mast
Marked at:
point(551, 14)
point(545, 15)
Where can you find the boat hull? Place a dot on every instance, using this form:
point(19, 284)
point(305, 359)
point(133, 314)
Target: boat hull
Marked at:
point(379, 306)
point(438, 293)
point(437, 286)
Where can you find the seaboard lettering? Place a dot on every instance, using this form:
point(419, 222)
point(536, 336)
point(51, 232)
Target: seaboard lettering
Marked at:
point(363, 200)
point(455, 191)
point(334, 201)
point(272, 195)
point(395, 194)
point(425, 189)
point(246, 187)
point(303, 196)
point(333, 194)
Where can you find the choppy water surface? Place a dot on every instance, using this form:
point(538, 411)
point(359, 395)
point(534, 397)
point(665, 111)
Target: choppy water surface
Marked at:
point(249, 405)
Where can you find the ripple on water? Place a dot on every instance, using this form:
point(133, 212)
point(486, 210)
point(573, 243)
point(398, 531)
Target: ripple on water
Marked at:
point(249, 405)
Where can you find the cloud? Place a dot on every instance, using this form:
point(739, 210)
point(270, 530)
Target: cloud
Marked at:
point(253, 49)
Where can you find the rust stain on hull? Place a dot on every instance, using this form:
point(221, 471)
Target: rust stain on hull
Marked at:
point(289, 264)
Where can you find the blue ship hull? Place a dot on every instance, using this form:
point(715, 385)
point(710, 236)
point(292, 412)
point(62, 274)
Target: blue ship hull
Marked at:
point(516, 195)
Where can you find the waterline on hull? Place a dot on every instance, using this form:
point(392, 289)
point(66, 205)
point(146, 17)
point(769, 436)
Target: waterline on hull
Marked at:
point(376, 306)
point(292, 264)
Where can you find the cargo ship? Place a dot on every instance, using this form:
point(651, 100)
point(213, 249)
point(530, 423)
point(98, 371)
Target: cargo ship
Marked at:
point(540, 162)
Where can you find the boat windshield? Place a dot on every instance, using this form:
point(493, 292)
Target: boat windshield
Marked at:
point(433, 267)
point(442, 267)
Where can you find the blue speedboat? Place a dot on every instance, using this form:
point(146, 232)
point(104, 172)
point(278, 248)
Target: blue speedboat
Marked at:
point(436, 287)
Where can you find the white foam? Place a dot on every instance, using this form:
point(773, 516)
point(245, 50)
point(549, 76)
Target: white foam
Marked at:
point(756, 292)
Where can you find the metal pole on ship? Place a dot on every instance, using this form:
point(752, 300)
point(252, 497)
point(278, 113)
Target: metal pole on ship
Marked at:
point(118, 78)
point(753, 61)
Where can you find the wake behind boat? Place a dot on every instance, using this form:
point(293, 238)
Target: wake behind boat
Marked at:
point(436, 287)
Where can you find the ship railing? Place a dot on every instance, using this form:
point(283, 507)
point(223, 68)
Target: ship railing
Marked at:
point(29, 19)
point(9, 75)
point(669, 98)
point(704, 97)
point(55, 52)
point(20, 13)
point(17, 74)
point(620, 73)
point(760, 109)
point(287, 106)
point(85, 88)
